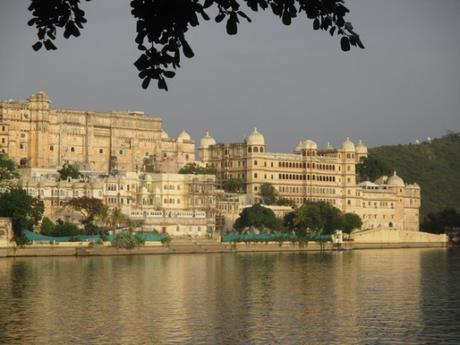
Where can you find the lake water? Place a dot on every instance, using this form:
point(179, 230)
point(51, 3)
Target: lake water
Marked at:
point(394, 296)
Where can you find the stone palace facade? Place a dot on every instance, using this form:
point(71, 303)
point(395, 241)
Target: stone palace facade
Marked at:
point(130, 162)
point(38, 136)
point(313, 174)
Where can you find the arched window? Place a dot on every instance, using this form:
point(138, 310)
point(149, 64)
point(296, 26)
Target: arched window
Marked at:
point(256, 149)
point(249, 149)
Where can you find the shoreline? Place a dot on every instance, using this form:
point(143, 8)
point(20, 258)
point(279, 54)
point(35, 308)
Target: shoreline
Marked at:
point(207, 247)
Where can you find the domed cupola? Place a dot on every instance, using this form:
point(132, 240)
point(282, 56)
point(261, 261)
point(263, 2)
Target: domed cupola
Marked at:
point(255, 138)
point(310, 145)
point(207, 141)
point(329, 147)
point(164, 135)
point(306, 145)
point(183, 136)
point(299, 146)
point(395, 181)
point(361, 148)
point(39, 101)
point(348, 145)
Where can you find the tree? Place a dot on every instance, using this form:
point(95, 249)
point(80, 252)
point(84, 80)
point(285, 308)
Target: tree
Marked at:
point(268, 194)
point(69, 170)
point(47, 227)
point(438, 223)
point(314, 216)
point(351, 221)
point(24, 210)
point(332, 217)
point(371, 168)
point(257, 216)
point(306, 218)
point(117, 218)
point(162, 24)
point(89, 209)
point(193, 168)
point(8, 169)
point(127, 240)
point(233, 185)
point(65, 229)
point(285, 202)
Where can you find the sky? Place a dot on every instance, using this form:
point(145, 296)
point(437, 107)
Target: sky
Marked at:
point(291, 82)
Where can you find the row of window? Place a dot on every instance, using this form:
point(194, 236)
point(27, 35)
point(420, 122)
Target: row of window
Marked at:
point(251, 149)
point(305, 177)
point(171, 187)
point(306, 190)
point(304, 165)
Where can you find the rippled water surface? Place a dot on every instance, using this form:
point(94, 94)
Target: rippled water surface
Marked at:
point(403, 296)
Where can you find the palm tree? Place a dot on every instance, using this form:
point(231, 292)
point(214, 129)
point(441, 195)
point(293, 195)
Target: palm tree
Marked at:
point(116, 217)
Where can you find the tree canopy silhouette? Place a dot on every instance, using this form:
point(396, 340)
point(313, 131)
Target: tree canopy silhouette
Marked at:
point(162, 24)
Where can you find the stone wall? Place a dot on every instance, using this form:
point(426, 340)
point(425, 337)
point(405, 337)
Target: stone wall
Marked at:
point(396, 236)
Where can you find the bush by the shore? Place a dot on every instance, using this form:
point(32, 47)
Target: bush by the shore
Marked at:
point(127, 240)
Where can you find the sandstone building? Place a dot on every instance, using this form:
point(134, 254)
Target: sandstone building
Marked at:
point(177, 204)
point(36, 135)
point(309, 173)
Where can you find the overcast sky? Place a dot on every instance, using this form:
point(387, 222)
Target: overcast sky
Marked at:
point(290, 81)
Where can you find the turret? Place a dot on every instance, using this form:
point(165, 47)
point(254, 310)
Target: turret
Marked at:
point(255, 142)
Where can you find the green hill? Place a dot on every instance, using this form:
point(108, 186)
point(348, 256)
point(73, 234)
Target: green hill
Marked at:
point(434, 165)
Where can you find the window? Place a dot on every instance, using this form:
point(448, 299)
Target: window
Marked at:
point(255, 175)
point(256, 149)
point(3, 140)
point(51, 148)
point(21, 146)
point(255, 162)
point(249, 150)
point(121, 152)
point(72, 149)
point(101, 150)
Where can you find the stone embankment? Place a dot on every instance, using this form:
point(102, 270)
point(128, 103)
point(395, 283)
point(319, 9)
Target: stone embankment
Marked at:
point(200, 247)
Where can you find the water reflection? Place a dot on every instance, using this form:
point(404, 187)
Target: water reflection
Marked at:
point(363, 297)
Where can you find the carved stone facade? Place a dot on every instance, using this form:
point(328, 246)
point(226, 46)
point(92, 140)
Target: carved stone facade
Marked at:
point(178, 204)
point(38, 136)
point(312, 174)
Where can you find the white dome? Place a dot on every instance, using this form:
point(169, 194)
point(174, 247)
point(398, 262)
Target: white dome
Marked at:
point(328, 146)
point(184, 136)
point(348, 145)
point(207, 141)
point(164, 135)
point(299, 146)
point(306, 145)
point(395, 180)
point(310, 145)
point(361, 148)
point(255, 138)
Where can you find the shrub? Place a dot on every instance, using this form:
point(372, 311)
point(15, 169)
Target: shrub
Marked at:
point(47, 227)
point(66, 229)
point(127, 240)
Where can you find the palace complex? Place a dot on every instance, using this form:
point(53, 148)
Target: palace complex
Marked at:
point(38, 136)
point(309, 173)
point(130, 162)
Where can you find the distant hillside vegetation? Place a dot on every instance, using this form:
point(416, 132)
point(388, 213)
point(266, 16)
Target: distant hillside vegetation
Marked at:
point(434, 165)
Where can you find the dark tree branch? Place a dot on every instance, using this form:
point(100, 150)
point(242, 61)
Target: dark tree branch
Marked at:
point(162, 24)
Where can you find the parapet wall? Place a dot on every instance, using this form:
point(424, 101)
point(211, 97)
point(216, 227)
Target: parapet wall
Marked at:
point(397, 236)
